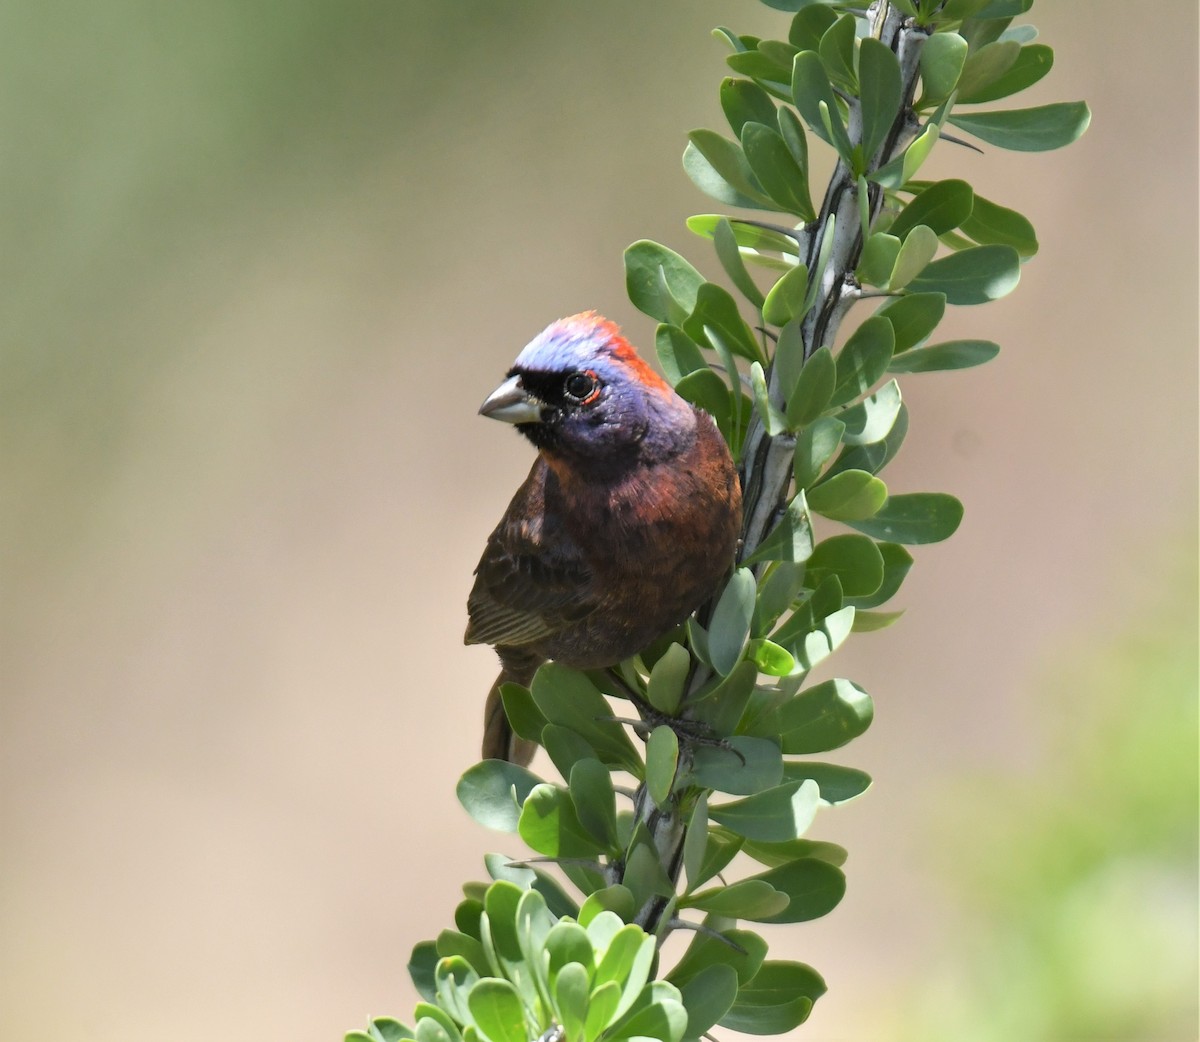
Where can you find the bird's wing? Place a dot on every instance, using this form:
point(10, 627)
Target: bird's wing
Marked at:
point(532, 579)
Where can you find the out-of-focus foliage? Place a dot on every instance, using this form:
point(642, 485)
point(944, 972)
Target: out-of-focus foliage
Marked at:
point(1077, 887)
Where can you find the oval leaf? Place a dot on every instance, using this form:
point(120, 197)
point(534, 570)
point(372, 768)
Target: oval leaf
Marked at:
point(731, 621)
point(1039, 129)
point(918, 517)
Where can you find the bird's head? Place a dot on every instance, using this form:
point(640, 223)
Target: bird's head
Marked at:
point(581, 393)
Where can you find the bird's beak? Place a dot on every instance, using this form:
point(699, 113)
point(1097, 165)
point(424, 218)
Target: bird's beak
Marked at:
point(511, 403)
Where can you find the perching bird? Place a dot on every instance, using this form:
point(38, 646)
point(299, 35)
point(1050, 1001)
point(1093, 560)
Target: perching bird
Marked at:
point(626, 524)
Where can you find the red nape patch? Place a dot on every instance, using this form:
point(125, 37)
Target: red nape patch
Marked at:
point(621, 349)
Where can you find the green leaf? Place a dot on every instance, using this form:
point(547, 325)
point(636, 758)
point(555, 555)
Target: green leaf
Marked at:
point(863, 360)
point(903, 168)
point(852, 495)
point(957, 10)
point(913, 317)
point(896, 563)
point(742, 766)
point(992, 223)
point(810, 87)
point(731, 621)
point(779, 998)
point(775, 854)
point(953, 354)
point(810, 24)
point(837, 783)
point(571, 999)
point(569, 698)
point(972, 276)
point(492, 793)
point(550, 825)
point(715, 309)
point(657, 1014)
point(615, 898)
point(751, 899)
point(421, 966)
point(873, 457)
point(695, 841)
point(387, 1029)
point(1039, 129)
point(815, 445)
point(878, 259)
point(677, 353)
point(770, 658)
point(835, 127)
point(745, 102)
point(836, 50)
point(796, 140)
point(498, 1011)
point(664, 689)
point(660, 282)
point(986, 65)
point(742, 950)
point(523, 715)
point(602, 1007)
point(942, 60)
point(825, 600)
point(942, 206)
point(662, 759)
point(785, 300)
point(565, 747)
point(718, 168)
point(856, 561)
point(880, 92)
point(824, 717)
point(914, 257)
point(918, 517)
point(748, 236)
point(870, 621)
point(764, 68)
point(707, 390)
point(773, 164)
point(790, 540)
point(722, 705)
point(431, 1029)
point(782, 812)
point(592, 793)
point(567, 943)
point(1030, 66)
point(824, 640)
point(871, 419)
point(814, 888)
point(770, 416)
point(707, 997)
point(813, 389)
point(730, 257)
point(627, 960)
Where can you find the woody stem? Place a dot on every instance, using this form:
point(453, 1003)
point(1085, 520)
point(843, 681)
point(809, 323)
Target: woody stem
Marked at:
point(766, 463)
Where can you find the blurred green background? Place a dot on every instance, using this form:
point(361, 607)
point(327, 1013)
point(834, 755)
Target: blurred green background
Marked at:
point(262, 261)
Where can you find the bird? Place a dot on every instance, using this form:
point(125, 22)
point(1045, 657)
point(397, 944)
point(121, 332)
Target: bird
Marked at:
point(627, 522)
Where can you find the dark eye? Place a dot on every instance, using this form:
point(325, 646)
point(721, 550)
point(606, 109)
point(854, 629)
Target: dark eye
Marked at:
point(580, 386)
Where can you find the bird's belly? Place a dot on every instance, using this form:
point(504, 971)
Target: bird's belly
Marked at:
point(654, 584)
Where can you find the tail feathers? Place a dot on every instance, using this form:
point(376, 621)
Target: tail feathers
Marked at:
point(499, 740)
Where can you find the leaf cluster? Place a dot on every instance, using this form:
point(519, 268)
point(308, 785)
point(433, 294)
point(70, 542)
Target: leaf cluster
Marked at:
point(702, 824)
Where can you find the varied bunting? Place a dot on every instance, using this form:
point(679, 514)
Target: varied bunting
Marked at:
point(626, 524)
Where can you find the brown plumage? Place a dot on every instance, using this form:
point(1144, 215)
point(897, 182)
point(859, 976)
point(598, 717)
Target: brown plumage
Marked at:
point(626, 523)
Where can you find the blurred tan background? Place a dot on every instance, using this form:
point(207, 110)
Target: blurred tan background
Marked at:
point(260, 265)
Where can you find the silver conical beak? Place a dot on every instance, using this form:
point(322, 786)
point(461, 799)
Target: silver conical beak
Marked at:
point(511, 403)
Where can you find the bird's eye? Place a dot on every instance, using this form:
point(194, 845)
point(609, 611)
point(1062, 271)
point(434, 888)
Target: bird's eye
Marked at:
point(579, 387)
